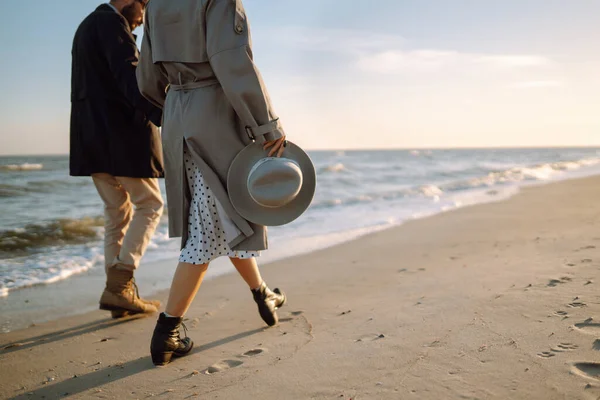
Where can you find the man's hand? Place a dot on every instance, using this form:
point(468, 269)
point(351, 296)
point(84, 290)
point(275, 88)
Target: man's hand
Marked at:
point(277, 146)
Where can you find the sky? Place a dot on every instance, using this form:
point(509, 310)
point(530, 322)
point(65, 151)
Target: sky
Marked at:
point(358, 75)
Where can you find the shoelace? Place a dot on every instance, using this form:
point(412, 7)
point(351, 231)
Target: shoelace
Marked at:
point(179, 333)
point(137, 291)
point(184, 331)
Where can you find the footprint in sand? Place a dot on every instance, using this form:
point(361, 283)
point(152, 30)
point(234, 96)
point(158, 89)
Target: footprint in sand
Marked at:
point(584, 248)
point(253, 352)
point(546, 354)
point(586, 369)
point(556, 282)
point(589, 327)
point(222, 366)
point(576, 304)
point(560, 348)
point(370, 338)
point(562, 314)
point(228, 364)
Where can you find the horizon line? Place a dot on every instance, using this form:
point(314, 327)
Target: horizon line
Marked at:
point(416, 148)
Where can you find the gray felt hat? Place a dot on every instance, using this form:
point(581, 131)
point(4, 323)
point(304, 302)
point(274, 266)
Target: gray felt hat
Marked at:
point(271, 191)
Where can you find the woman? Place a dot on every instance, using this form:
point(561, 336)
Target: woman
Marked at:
point(196, 64)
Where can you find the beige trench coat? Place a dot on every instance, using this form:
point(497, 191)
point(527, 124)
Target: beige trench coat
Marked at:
point(196, 64)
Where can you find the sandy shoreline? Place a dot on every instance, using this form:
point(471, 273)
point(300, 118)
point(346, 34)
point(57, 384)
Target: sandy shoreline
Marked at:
point(490, 301)
point(79, 293)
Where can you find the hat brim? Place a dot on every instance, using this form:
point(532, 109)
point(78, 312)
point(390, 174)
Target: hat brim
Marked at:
point(242, 200)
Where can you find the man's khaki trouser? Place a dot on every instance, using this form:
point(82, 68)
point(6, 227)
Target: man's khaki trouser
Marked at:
point(128, 232)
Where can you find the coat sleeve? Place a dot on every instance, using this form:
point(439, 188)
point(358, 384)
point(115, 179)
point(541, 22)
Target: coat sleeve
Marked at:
point(230, 55)
point(152, 78)
point(120, 51)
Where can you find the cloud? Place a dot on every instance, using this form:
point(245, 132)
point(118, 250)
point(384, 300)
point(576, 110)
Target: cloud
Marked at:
point(347, 41)
point(538, 84)
point(512, 61)
point(400, 61)
point(392, 61)
point(390, 54)
point(329, 57)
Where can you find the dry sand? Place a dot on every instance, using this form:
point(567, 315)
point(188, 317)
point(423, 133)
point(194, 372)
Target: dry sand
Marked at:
point(491, 301)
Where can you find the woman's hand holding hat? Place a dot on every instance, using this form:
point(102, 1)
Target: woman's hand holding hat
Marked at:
point(277, 146)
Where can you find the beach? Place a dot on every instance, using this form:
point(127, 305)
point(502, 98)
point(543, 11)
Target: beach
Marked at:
point(51, 227)
point(495, 300)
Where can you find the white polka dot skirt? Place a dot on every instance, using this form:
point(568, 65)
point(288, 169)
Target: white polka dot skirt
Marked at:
point(206, 236)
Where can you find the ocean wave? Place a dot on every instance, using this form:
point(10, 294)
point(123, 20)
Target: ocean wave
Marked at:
point(12, 190)
point(58, 232)
point(22, 167)
point(53, 184)
point(417, 153)
point(9, 190)
point(491, 179)
point(538, 172)
point(338, 167)
point(352, 200)
point(43, 269)
point(431, 190)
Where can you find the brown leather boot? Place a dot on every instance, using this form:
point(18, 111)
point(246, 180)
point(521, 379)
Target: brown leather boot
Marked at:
point(121, 294)
point(116, 314)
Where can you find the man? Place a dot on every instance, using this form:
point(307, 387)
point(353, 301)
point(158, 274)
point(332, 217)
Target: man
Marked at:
point(115, 140)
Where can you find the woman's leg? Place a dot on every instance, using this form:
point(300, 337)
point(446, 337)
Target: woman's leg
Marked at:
point(248, 269)
point(268, 300)
point(186, 282)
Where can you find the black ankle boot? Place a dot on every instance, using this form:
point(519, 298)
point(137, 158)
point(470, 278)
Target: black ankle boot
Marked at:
point(166, 342)
point(268, 302)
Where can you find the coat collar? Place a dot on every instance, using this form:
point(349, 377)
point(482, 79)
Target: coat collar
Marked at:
point(105, 7)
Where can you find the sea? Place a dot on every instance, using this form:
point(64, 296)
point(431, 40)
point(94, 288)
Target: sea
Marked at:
point(51, 224)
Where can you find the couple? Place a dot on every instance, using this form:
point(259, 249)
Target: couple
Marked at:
point(197, 79)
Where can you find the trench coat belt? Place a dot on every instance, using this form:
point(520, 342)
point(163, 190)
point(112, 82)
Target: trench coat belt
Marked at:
point(192, 85)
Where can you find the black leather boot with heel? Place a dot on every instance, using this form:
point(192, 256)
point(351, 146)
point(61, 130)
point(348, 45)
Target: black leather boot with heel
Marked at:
point(268, 302)
point(166, 342)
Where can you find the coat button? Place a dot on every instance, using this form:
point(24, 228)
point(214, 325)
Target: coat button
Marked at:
point(239, 28)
